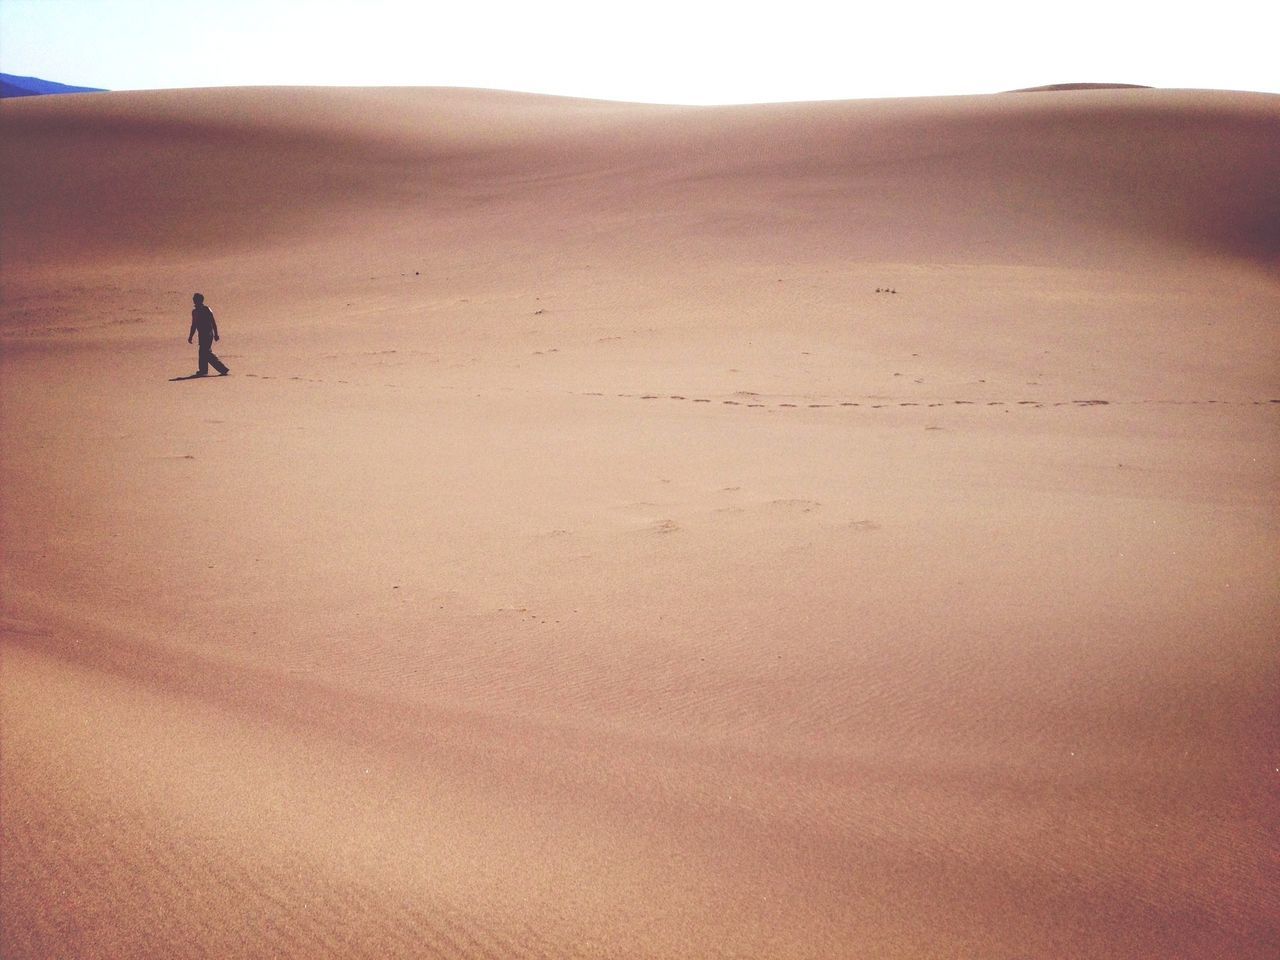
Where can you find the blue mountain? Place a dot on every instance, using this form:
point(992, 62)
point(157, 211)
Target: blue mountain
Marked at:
point(11, 86)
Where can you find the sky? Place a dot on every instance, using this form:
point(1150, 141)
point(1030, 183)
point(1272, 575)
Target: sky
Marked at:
point(658, 51)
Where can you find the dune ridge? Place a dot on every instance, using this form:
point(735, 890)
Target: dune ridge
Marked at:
point(1188, 166)
point(806, 530)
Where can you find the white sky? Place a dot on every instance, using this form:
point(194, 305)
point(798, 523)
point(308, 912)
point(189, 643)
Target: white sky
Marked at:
point(657, 51)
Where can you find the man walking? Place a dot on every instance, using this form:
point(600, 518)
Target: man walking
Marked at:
point(202, 322)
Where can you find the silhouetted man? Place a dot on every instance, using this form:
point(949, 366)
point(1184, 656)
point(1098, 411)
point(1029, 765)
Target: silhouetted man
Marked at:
point(202, 322)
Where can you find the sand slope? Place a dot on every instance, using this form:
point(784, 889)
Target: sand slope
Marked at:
point(587, 558)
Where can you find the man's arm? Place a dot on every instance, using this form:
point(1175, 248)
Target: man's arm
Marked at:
point(192, 332)
point(214, 324)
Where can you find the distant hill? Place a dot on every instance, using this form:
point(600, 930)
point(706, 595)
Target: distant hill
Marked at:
point(11, 86)
point(1051, 87)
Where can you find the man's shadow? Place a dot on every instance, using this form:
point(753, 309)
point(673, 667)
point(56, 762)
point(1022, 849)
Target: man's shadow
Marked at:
point(196, 376)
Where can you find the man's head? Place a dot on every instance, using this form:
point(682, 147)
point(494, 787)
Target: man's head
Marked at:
point(197, 298)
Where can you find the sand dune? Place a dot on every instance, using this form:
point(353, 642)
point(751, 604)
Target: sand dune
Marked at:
point(812, 530)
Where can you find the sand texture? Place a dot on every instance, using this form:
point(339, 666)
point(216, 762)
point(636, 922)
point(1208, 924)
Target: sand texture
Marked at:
point(837, 530)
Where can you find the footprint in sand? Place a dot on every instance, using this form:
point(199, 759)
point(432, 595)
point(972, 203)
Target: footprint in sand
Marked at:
point(795, 505)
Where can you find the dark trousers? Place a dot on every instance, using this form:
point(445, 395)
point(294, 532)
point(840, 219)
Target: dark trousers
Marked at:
point(207, 357)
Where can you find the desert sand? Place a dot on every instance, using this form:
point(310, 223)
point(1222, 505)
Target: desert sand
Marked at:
point(832, 530)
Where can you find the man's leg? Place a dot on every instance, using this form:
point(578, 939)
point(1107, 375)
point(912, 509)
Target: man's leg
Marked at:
point(205, 353)
point(216, 363)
